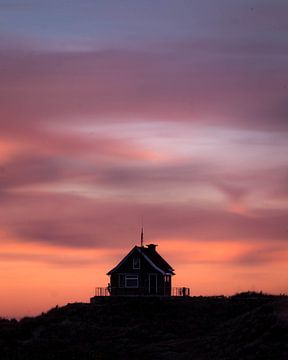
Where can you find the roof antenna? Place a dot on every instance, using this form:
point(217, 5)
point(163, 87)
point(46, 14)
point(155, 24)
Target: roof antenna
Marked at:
point(142, 233)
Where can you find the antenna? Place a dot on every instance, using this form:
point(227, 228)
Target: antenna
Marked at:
point(142, 233)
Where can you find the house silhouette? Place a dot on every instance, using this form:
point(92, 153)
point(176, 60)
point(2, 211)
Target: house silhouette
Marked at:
point(143, 271)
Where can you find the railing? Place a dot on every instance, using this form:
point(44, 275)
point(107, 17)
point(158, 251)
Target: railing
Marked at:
point(176, 291)
point(101, 291)
point(180, 291)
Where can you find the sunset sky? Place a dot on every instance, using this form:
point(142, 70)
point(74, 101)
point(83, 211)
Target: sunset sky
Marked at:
point(176, 111)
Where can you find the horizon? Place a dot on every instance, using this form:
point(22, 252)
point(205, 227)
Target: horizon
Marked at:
point(249, 293)
point(113, 112)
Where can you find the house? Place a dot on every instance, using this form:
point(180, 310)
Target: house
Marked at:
point(143, 271)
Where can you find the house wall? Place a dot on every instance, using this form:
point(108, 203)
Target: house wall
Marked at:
point(146, 272)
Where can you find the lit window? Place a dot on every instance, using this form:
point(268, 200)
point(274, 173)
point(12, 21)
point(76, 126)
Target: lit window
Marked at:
point(136, 263)
point(131, 281)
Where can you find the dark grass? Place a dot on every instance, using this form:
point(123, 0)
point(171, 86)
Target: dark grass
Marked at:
point(247, 326)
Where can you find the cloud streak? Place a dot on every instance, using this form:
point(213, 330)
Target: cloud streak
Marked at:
point(225, 90)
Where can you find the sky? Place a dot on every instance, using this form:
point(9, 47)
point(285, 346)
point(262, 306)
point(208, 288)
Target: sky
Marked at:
point(110, 111)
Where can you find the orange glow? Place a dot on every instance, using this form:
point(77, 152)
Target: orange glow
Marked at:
point(197, 251)
point(7, 150)
point(37, 276)
point(212, 268)
point(238, 207)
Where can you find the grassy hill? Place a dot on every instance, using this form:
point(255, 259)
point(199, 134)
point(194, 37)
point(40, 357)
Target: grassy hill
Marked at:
point(241, 327)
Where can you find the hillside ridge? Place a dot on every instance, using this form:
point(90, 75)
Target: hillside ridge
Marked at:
point(152, 328)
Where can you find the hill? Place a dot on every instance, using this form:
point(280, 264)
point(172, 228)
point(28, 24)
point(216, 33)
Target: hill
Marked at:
point(152, 328)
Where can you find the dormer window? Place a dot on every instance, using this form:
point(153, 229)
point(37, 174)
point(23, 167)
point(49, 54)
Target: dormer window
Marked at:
point(136, 263)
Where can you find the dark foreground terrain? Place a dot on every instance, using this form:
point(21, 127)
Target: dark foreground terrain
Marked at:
point(153, 328)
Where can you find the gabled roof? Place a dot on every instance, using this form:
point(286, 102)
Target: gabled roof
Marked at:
point(122, 261)
point(152, 256)
point(157, 259)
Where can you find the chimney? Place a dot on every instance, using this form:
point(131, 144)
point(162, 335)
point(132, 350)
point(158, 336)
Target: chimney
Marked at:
point(152, 247)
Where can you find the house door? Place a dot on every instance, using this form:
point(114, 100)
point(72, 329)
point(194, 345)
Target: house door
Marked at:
point(153, 288)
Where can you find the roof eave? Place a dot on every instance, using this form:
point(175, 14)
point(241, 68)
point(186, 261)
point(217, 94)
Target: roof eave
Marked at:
point(151, 262)
point(122, 261)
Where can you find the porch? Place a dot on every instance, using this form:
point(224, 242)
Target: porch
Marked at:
point(175, 291)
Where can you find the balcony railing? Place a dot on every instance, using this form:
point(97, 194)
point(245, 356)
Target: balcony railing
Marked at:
point(180, 291)
point(102, 291)
point(175, 291)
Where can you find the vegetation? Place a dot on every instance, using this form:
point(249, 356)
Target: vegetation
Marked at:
point(240, 327)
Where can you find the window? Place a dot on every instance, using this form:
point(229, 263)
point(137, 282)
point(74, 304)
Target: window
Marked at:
point(131, 281)
point(167, 278)
point(136, 263)
point(121, 280)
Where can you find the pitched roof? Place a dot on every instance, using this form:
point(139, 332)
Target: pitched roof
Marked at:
point(152, 256)
point(157, 259)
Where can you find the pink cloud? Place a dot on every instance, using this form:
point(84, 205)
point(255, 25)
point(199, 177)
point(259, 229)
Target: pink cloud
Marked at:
point(174, 85)
point(77, 221)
